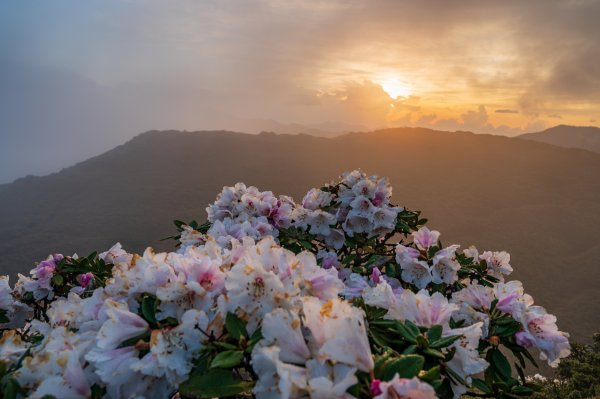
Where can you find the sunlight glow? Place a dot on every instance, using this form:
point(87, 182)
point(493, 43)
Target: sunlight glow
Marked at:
point(395, 87)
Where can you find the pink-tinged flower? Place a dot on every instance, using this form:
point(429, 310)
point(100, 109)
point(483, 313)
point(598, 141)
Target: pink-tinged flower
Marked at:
point(339, 329)
point(541, 330)
point(116, 255)
point(335, 239)
point(417, 272)
point(376, 275)
point(466, 361)
point(282, 215)
point(329, 259)
point(384, 220)
point(362, 206)
point(475, 295)
point(320, 222)
point(365, 187)
point(276, 379)
point(284, 329)
point(425, 238)
point(120, 325)
point(111, 365)
point(406, 254)
point(423, 309)
point(382, 296)
point(85, 279)
point(189, 237)
point(355, 286)
point(255, 291)
point(403, 388)
point(44, 272)
point(445, 266)
point(512, 299)
point(497, 263)
point(316, 198)
point(326, 381)
point(314, 280)
point(525, 339)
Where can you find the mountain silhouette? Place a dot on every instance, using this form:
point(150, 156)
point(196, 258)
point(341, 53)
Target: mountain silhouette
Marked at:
point(537, 201)
point(585, 137)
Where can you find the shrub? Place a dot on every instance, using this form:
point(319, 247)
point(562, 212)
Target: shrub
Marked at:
point(342, 295)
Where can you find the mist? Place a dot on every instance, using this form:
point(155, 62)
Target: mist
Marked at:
point(81, 78)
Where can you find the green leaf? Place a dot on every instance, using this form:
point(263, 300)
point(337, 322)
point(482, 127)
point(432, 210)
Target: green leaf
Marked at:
point(406, 366)
point(434, 333)
point(149, 305)
point(522, 390)
point(481, 385)
point(500, 363)
point(434, 353)
point(11, 389)
point(412, 327)
point(444, 342)
point(227, 360)
point(507, 330)
point(215, 383)
point(431, 375)
point(57, 280)
point(235, 326)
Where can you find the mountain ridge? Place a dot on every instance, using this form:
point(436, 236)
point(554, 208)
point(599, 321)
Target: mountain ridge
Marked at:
point(537, 201)
point(581, 137)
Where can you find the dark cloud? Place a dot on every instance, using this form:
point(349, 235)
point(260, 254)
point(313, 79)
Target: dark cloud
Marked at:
point(506, 111)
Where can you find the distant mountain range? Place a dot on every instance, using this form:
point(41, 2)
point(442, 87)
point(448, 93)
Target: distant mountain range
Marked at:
point(538, 201)
point(585, 137)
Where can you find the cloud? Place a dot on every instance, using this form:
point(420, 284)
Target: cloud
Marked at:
point(130, 65)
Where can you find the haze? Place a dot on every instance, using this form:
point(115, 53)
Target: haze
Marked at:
point(79, 78)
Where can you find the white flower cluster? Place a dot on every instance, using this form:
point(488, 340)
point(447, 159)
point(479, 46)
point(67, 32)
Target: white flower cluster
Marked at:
point(241, 211)
point(356, 204)
point(141, 332)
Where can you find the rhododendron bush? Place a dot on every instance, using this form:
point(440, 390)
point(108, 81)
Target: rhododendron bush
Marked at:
point(343, 295)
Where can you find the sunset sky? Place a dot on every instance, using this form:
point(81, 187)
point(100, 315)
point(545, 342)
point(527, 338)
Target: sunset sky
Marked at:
point(86, 76)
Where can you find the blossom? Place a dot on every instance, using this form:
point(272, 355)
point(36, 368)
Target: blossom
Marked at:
point(540, 330)
point(403, 388)
point(320, 222)
point(466, 360)
point(316, 198)
point(425, 238)
point(340, 332)
point(255, 291)
point(475, 295)
point(417, 272)
point(119, 326)
point(276, 379)
point(497, 263)
point(512, 298)
point(329, 381)
point(283, 328)
point(423, 309)
point(445, 266)
point(173, 349)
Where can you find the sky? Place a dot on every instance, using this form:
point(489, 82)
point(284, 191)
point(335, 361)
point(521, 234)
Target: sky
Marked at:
point(79, 78)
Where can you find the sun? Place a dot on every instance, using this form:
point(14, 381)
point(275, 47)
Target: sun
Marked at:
point(395, 87)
